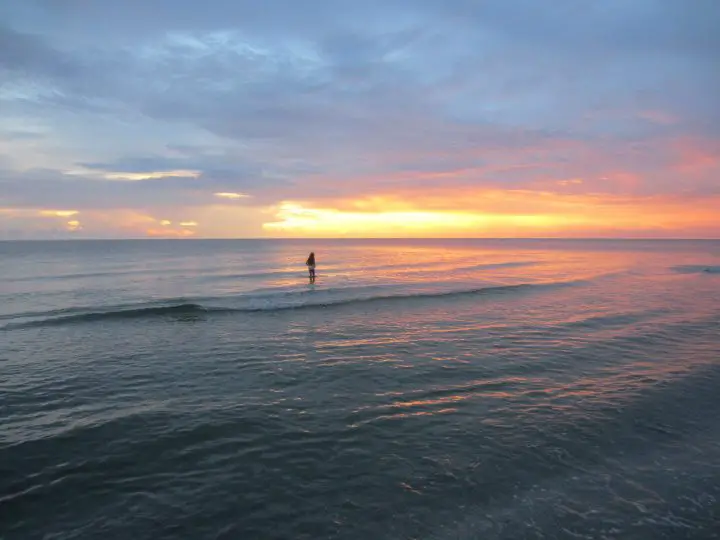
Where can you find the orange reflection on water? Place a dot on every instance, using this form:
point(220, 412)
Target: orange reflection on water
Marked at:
point(398, 416)
point(429, 402)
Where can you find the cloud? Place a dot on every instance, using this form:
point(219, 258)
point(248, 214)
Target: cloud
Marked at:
point(158, 107)
point(151, 175)
point(58, 213)
point(48, 189)
point(569, 182)
point(73, 225)
point(231, 196)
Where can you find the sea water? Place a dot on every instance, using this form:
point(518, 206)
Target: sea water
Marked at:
point(419, 389)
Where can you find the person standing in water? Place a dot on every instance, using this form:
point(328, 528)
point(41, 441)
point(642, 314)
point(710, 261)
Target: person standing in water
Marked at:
point(311, 266)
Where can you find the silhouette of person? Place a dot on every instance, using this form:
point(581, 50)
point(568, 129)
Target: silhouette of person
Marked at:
point(311, 266)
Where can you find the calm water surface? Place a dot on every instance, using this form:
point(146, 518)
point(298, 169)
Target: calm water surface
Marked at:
point(418, 390)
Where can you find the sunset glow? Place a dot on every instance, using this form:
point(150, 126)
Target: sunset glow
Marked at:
point(499, 125)
point(554, 216)
point(295, 220)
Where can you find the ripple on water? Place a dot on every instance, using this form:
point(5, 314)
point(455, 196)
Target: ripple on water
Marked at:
point(565, 413)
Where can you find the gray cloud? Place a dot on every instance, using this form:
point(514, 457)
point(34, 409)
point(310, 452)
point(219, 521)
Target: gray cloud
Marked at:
point(22, 53)
point(289, 97)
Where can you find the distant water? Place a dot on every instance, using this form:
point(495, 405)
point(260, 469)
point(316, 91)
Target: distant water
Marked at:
point(444, 389)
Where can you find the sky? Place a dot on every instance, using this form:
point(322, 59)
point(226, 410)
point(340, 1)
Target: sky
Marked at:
point(373, 118)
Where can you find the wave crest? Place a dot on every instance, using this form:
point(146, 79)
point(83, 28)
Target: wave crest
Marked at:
point(181, 308)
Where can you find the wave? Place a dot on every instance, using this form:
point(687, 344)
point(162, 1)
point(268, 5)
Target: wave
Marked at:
point(177, 310)
point(182, 308)
point(697, 269)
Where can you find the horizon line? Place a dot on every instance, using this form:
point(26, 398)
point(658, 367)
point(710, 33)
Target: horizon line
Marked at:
point(260, 238)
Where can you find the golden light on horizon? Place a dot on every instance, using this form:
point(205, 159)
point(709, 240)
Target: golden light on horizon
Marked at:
point(188, 224)
point(58, 213)
point(294, 218)
point(512, 213)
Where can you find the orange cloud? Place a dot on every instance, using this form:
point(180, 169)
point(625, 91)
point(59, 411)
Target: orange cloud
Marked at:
point(569, 182)
point(73, 225)
point(169, 233)
point(230, 195)
point(58, 213)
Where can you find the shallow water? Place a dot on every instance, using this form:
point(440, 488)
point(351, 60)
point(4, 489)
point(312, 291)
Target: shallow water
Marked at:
point(419, 389)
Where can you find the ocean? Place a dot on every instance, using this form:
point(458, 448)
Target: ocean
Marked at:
point(419, 389)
